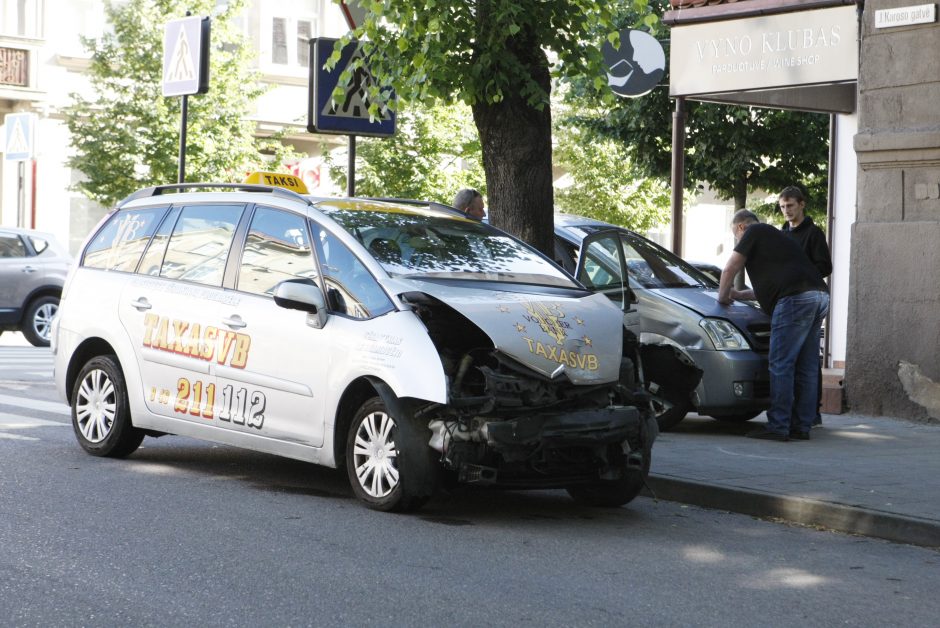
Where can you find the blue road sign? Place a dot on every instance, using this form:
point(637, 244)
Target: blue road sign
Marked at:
point(19, 136)
point(186, 56)
point(351, 117)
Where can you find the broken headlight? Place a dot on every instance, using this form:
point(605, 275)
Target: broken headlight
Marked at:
point(724, 335)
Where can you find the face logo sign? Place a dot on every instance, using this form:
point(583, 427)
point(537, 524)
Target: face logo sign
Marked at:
point(548, 318)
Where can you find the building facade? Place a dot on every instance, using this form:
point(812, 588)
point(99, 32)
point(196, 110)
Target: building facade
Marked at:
point(874, 67)
point(43, 61)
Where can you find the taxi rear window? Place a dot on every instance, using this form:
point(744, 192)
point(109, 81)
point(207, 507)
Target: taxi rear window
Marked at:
point(120, 243)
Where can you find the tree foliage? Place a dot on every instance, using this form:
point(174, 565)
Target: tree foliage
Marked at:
point(605, 185)
point(735, 149)
point(493, 55)
point(434, 152)
point(126, 135)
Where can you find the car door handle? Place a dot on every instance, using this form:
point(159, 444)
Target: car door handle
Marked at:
point(235, 322)
point(29, 269)
point(141, 304)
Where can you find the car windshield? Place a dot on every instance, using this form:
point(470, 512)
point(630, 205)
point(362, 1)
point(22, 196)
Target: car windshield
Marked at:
point(435, 244)
point(652, 266)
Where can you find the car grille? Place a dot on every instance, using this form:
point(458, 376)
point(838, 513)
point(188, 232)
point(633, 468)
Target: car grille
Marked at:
point(759, 336)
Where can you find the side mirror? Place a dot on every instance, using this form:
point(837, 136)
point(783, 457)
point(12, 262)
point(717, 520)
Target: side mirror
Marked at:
point(305, 296)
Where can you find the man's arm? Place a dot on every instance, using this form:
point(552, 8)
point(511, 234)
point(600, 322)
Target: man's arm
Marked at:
point(726, 293)
point(818, 251)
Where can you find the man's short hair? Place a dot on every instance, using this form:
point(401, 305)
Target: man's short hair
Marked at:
point(791, 191)
point(746, 216)
point(464, 197)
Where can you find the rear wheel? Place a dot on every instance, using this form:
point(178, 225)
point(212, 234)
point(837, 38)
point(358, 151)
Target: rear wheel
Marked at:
point(101, 416)
point(37, 324)
point(388, 460)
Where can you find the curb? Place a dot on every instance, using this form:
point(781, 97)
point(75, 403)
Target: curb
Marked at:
point(804, 511)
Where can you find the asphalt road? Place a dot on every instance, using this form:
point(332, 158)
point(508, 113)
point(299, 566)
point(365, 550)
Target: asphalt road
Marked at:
point(189, 533)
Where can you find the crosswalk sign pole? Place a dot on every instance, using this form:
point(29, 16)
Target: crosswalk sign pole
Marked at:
point(181, 176)
point(21, 194)
point(185, 69)
point(351, 168)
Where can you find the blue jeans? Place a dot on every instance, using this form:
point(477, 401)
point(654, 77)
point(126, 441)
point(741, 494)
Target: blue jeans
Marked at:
point(794, 361)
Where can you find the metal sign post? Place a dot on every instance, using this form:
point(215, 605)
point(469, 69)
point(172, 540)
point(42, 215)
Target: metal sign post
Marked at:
point(19, 147)
point(351, 168)
point(185, 69)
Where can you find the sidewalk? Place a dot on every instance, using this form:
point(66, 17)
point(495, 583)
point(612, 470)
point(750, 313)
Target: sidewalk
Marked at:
point(874, 476)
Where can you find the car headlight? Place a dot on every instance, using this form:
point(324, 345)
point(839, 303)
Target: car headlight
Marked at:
point(724, 335)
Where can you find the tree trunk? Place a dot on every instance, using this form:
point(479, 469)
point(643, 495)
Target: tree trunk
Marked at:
point(516, 139)
point(740, 192)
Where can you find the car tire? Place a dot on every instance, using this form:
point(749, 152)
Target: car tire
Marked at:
point(388, 460)
point(612, 493)
point(735, 418)
point(669, 418)
point(101, 416)
point(37, 323)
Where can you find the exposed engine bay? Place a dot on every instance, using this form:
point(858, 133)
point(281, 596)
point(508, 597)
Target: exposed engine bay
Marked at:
point(507, 424)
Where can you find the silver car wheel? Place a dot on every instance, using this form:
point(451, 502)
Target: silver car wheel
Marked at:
point(95, 406)
point(42, 320)
point(375, 455)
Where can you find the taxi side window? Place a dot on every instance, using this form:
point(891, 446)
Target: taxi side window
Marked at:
point(119, 244)
point(199, 246)
point(277, 249)
point(350, 288)
point(153, 258)
point(11, 246)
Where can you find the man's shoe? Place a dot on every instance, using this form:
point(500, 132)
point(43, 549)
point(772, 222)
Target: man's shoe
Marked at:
point(764, 434)
point(796, 435)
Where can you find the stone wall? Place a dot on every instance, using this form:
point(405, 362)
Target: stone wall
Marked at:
point(893, 352)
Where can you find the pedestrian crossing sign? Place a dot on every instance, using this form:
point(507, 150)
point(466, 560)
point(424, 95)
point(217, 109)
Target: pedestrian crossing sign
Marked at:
point(351, 116)
point(186, 56)
point(19, 136)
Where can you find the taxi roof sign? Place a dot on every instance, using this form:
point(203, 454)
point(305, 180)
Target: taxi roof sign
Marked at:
point(277, 179)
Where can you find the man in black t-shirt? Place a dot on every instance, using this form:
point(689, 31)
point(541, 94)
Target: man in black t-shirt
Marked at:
point(790, 289)
point(812, 241)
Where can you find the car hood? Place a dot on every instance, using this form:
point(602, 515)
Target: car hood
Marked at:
point(580, 337)
point(705, 302)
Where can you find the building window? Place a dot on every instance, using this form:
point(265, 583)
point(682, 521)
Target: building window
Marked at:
point(290, 31)
point(21, 18)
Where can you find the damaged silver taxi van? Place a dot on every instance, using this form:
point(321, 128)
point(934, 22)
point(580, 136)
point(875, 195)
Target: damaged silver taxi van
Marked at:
point(400, 340)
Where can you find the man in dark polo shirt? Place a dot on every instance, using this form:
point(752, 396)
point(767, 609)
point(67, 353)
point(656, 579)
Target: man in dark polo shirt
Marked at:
point(790, 289)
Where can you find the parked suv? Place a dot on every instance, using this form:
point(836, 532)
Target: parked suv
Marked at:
point(678, 307)
point(401, 341)
point(33, 268)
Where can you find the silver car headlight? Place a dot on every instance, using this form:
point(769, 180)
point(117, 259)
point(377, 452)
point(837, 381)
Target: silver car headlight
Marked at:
point(724, 335)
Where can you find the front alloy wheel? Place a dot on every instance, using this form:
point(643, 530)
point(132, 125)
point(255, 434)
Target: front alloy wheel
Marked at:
point(375, 455)
point(388, 460)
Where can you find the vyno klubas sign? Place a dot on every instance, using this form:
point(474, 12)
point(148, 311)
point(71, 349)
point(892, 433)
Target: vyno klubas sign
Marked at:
point(784, 50)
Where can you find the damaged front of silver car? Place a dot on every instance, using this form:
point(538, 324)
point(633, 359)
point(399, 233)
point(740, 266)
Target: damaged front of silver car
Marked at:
point(542, 392)
point(541, 378)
